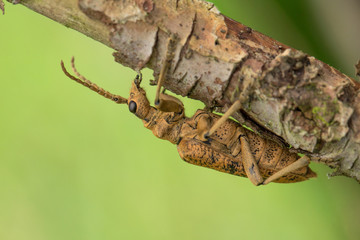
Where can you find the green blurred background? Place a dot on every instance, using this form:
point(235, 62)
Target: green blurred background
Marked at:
point(73, 165)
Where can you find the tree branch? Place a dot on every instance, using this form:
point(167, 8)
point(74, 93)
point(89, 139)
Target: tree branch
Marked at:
point(293, 98)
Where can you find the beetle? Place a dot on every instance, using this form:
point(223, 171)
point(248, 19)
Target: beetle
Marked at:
point(210, 140)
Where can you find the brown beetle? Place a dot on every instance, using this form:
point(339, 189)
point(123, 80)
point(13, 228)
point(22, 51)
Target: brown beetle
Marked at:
point(209, 140)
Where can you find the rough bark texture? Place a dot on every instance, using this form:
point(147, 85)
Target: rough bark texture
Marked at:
point(291, 97)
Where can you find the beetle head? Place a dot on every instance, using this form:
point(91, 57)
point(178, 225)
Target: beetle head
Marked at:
point(137, 101)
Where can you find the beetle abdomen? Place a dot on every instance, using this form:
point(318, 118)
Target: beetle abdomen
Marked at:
point(199, 153)
point(271, 157)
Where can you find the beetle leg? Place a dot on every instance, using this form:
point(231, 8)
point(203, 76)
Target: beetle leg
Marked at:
point(162, 74)
point(301, 162)
point(169, 103)
point(164, 102)
point(250, 166)
point(247, 86)
point(235, 107)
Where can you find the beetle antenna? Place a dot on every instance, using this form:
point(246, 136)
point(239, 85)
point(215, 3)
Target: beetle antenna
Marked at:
point(85, 82)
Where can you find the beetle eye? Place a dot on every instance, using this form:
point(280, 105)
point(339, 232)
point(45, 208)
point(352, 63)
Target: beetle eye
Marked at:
point(132, 106)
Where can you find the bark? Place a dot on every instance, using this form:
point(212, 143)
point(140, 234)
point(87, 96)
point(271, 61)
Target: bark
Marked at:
point(290, 97)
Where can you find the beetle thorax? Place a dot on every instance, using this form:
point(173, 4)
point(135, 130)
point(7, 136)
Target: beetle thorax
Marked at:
point(164, 125)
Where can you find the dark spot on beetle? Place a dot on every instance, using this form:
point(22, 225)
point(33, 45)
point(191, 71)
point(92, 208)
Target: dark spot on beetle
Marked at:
point(206, 135)
point(180, 25)
point(202, 29)
point(231, 169)
point(208, 141)
point(116, 99)
point(212, 158)
point(217, 42)
point(292, 178)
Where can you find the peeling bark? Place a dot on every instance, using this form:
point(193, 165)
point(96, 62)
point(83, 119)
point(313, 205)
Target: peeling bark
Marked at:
point(292, 98)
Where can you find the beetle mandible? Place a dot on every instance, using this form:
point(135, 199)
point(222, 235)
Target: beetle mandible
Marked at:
point(210, 140)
